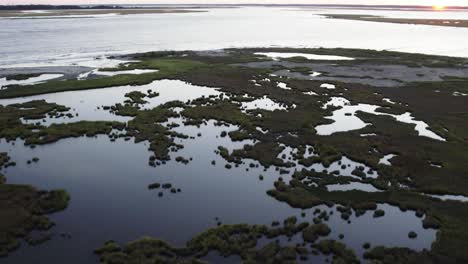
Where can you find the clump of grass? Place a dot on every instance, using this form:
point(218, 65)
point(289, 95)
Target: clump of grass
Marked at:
point(313, 232)
point(155, 185)
point(379, 213)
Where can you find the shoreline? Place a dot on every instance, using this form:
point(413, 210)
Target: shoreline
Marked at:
point(75, 13)
point(458, 23)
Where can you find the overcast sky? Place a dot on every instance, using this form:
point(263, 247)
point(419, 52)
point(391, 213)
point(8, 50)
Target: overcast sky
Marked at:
point(396, 2)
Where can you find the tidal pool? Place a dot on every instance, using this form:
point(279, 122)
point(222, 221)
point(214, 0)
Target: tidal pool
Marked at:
point(285, 55)
point(446, 197)
point(352, 186)
point(388, 101)
point(328, 86)
point(310, 93)
point(284, 86)
point(386, 159)
point(32, 80)
point(315, 74)
point(113, 73)
point(459, 94)
point(343, 167)
point(345, 119)
point(264, 103)
point(91, 60)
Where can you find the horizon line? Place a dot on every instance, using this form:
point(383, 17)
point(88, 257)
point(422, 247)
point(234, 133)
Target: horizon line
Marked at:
point(235, 4)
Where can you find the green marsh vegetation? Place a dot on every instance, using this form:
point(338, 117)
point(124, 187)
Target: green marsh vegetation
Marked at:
point(411, 175)
point(22, 77)
point(12, 127)
point(24, 209)
point(231, 240)
point(168, 68)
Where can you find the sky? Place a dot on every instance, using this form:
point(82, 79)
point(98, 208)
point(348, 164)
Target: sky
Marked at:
point(372, 2)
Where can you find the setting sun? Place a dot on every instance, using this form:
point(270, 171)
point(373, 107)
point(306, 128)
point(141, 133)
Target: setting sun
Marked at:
point(438, 7)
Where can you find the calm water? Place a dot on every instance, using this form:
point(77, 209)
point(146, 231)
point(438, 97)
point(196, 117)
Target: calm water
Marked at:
point(75, 40)
point(88, 103)
point(110, 200)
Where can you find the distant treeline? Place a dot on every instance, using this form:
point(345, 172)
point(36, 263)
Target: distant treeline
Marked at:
point(55, 7)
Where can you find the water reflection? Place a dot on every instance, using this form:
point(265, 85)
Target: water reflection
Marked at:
point(88, 104)
point(110, 199)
